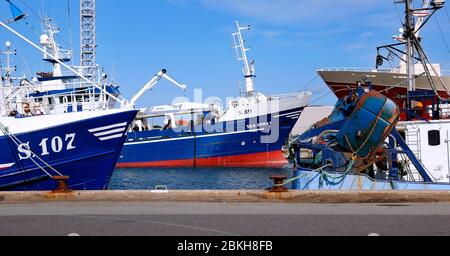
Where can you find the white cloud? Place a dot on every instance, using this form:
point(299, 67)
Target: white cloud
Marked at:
point(299, 11)
point(309, 20)
point(329, 32)
point(272, 34)
point(177, 1)
point(361, 42)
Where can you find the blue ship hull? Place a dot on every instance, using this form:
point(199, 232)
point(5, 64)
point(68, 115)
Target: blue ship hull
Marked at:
point(85, 150)
point(242, 146)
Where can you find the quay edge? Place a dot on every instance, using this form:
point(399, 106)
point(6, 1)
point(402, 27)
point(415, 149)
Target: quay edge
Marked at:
point(229, 196)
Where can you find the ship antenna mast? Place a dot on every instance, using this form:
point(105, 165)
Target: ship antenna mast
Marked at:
point(248, 68)
point(6, 83)
point(413, 45)
point(409, 30)
point(8, 69)
point(414, 53)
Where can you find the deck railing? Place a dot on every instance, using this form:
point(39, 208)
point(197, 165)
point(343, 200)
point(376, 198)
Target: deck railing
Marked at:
point(444, 73)
point(358, 69)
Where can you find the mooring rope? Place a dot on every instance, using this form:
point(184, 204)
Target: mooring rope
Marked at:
point(301, 176)
point(324, 176)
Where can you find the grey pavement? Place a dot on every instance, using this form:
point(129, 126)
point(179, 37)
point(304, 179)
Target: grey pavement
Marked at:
point(222, 219)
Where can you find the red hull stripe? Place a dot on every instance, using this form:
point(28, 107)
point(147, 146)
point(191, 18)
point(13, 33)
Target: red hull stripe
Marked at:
point(265, 159)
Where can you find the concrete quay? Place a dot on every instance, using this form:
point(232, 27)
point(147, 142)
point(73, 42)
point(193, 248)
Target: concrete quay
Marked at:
point(231, 196)
point(224, 213)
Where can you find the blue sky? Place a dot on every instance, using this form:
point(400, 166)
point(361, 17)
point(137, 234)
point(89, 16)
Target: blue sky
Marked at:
point(290, 39)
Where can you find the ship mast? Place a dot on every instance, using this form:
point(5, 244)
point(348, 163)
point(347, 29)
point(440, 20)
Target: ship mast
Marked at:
point(409, 33)
point(2, 24)
point(414, 51)
point(248, 68)
point(6, 83)
point(47, 40)
point(421, 16)
point(8, 69)
point(420, 20)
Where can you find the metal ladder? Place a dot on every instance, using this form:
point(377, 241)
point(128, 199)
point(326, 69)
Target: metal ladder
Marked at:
point(413, 140)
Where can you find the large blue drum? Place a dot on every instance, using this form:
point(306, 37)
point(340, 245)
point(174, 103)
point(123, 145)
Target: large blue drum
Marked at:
point(368, 126)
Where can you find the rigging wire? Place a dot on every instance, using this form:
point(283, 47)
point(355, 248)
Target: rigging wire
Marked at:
point(31, 9)
point(63, 40)
point(446, 13)
point(442, 34)
point(27, 67)
point(70, 29)
point(17, 141)
point(31, 27)
point(398, 14)
point(27, 22)
point(309, 83)
point(321, 97)
point(43, 7)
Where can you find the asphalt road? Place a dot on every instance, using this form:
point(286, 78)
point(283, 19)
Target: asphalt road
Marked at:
point(222, 219)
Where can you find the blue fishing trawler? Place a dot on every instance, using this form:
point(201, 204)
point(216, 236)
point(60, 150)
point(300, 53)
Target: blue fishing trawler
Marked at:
point(41, 144)
point(250, 132)
point(248, 141)
point(83, 146)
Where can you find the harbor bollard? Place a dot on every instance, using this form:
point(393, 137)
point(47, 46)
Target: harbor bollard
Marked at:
point(278, 183)
point(62, 184)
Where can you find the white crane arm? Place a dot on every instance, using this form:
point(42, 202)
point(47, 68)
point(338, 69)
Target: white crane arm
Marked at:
point(152, 84)
point(147, 86)
point(181, 86)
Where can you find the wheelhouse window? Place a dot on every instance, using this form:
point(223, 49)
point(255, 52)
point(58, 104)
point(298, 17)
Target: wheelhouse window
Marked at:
point(434, 138)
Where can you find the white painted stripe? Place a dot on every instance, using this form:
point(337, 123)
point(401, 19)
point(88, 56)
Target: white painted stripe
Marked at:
point(4, 166)
point(107, 127)
point(190, 137)
point(288, 114)
point(293, 115)
point(109, 132)
point(36, 123)
point(111, 137)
